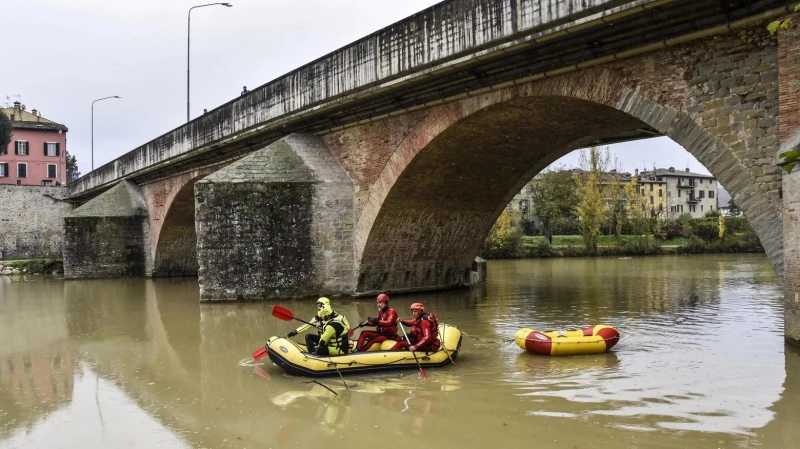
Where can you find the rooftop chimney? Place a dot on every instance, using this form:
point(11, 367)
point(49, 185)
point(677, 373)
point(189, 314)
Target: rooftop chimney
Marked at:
point(687, 169)
point(636, 171)
point(17, 111)
point(672, 169)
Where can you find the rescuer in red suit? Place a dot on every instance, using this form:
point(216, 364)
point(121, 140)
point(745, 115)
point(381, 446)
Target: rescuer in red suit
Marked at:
point(424, 334)
point(385, 325)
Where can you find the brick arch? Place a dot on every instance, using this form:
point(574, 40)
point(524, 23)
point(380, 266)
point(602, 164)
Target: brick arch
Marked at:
point(409, 229)
point(172, 224)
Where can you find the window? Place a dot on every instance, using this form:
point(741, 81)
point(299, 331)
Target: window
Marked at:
point(51, 149)
point(21, 148)
point(692, 208)
point(660, 193)
point(651, 199)
point(660, 179)
point(47, 183)
point(669, 193)
point(710, 207)
point(711, 194)
point(701, 208)
point(651, 187)
point(22, 170)
point(642, 190)
point(660, 206)
point(51, 171)
point(4, 170)
point(679, 193)
point(701, 193)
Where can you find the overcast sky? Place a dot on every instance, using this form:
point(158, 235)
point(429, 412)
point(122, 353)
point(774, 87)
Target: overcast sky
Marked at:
point(61, 55)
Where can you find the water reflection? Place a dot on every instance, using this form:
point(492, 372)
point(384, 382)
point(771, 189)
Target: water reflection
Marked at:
point(701, 363)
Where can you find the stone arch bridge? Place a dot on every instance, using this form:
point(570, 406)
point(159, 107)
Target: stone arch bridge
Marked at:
point(382, 165)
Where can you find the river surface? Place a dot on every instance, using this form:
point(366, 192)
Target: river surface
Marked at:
point(140, 363)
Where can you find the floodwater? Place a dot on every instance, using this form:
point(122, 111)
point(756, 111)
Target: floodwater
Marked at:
point(140, 363)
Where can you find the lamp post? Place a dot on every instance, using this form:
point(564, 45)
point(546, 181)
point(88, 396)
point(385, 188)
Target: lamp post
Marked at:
point(188, 46)
point(95, 101)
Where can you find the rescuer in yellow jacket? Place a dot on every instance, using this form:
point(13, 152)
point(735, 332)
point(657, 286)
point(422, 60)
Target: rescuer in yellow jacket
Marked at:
point(333, 328)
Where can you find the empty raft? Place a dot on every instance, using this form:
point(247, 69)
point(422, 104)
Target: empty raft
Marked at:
point(591, 340)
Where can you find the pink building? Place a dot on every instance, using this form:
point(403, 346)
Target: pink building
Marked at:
point(37, 152)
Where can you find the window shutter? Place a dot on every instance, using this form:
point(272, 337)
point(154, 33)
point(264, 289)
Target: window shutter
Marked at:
point(58, 149)
point(45, 148)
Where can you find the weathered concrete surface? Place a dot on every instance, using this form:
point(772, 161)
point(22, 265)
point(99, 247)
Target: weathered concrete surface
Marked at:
point(277, 223)
point(108, 236)
point(31, 221)
point(789, 84)
point(438, 39)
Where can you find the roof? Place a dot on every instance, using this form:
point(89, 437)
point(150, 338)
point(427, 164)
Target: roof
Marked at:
point(16, 124)
point(677, 173)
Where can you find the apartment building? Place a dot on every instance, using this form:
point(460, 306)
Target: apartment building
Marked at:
point(37, 152)
point(686, 192)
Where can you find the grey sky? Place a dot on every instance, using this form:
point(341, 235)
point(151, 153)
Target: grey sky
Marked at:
point(64, 54)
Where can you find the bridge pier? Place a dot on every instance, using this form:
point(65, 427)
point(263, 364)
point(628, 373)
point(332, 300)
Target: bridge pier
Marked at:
point(789, 117)
point(277, 223)
point(108, 236)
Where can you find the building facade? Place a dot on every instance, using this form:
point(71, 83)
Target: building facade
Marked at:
point(37, 152)
point(686, 192)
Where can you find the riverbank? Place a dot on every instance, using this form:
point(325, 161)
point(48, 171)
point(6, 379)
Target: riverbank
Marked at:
point(535, 247)
point(31, 266)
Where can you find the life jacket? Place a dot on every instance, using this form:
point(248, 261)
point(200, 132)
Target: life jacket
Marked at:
point(340, 342)
point(418, 332)
point(384, 316)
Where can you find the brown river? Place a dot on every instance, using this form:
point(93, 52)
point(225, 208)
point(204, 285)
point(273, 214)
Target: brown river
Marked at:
point(701, 363)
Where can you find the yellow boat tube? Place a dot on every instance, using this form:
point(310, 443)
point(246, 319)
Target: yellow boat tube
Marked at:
point(293, 357)
point(591, 340)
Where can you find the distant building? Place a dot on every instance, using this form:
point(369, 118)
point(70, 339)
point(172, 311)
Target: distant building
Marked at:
point(686, 192)
point(37, 152)
point(668, 193)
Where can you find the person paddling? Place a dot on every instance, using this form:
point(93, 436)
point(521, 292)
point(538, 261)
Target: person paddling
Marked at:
point(424, 334)
point(332, 336)
point(385, 326)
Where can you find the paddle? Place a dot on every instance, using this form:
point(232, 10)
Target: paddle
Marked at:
point(362, 324)
point(421, 371)
point(280, 313)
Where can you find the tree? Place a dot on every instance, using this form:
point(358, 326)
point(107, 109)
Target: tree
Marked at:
point(72, 167)
point(553, 197)
point(504, 239)
point(733, 209)
point(591, 208)
point(637, 212)
point(616, 204)
point(5, 131)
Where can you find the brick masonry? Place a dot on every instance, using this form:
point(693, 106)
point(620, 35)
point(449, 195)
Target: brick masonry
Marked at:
point(108, 236)
point(789, 85)
point(432, 182)
point(277, 223)
point(31, 221)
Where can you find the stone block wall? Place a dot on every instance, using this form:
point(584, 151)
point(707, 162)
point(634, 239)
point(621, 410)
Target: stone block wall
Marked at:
point(277, 223)
point(31, 221)
point(108, 236)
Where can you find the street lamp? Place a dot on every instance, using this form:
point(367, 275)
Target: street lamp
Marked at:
point(188, 46)
point(95, 101)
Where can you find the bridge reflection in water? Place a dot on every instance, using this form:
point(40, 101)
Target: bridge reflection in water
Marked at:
point(701, 363)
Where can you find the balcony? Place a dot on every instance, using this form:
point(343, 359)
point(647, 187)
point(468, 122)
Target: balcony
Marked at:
point(692, 199)
point(687, 185)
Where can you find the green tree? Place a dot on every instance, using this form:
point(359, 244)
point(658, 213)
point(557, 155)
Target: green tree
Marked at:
point(615, 194)
point(637, 212)
point(504, 239)
point(5, 131)
point(72, 167)
point(733, 209)
point(553, 199)
point(591, 208)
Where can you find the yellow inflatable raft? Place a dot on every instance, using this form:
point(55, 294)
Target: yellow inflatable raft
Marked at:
point(591, 340)
point(293, 358)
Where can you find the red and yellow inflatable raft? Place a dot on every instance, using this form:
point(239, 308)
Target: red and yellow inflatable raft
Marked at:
point(591, 340)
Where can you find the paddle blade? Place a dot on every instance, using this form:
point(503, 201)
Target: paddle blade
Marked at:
point(422, 373)
point(282, 313)
point(259, 353)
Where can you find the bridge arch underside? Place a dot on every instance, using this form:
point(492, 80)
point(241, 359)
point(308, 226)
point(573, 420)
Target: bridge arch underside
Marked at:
point(176, 250)
point(442, 205)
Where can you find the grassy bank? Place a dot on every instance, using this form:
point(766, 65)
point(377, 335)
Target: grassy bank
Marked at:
point(529, 241)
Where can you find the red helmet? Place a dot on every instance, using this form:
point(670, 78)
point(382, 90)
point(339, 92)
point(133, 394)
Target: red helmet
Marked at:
point(383, 297)
point(418, 306)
